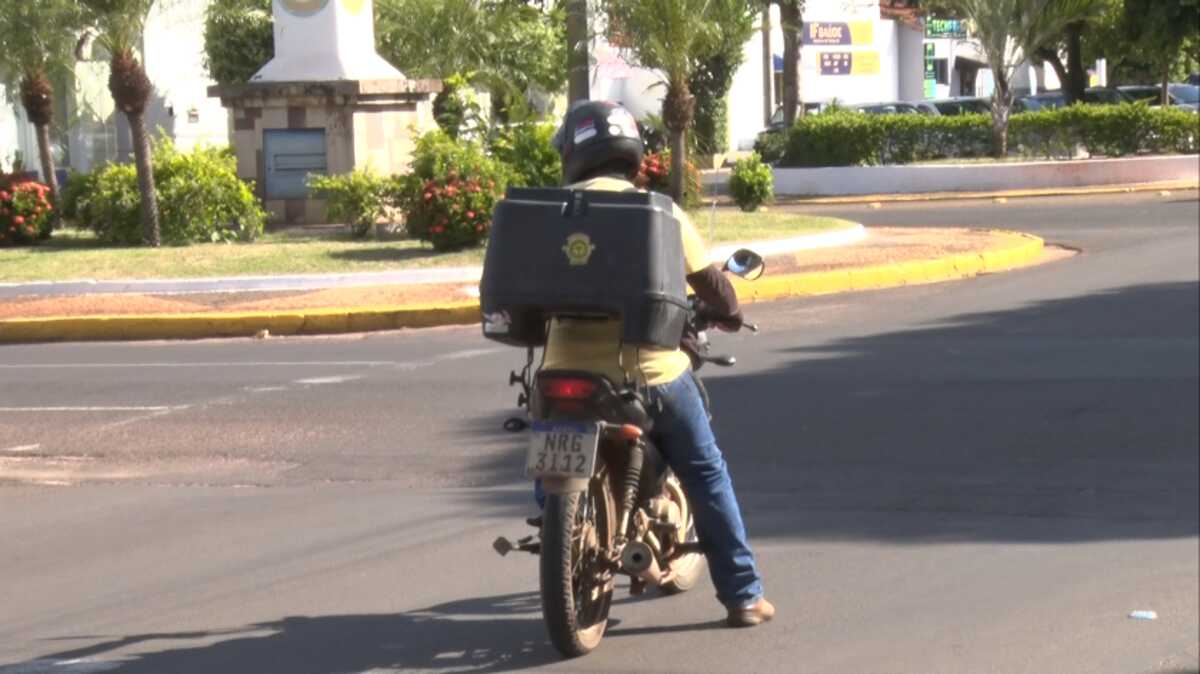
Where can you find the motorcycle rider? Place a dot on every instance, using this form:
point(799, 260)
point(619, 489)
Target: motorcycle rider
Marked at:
point(602, 149)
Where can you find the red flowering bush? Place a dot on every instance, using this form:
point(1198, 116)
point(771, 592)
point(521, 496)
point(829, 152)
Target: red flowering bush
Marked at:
point(655, 175)
point(25, 211)
point(449, 196)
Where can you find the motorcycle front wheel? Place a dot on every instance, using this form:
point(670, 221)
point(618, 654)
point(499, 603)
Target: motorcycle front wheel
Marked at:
point(576, 586)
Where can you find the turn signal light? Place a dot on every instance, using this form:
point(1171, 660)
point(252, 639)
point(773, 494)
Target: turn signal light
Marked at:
point(567, 389)
point(629, 432)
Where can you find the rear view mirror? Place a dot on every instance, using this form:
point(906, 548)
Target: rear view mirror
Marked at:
point(746, 263)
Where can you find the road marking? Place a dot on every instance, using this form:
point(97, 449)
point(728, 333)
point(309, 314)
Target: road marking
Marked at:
point(468, 353)
point(20, 448)
point(76, 666)
point(129, 408)
point(315, 381)
point(265, 363)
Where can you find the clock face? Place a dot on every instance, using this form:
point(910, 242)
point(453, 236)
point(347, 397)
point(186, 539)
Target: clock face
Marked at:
point(303, 7)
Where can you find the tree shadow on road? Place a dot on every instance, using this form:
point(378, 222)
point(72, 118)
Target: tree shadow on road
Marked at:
point(490, 634)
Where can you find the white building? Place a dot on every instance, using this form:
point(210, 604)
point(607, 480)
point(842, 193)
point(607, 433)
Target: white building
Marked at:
point(89, 132)
point(853, 51)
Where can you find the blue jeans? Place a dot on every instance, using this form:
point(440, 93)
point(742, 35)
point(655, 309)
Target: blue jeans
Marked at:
point(683, 435)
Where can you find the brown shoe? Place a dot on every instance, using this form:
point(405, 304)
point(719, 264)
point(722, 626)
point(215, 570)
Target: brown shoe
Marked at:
point(759, 612)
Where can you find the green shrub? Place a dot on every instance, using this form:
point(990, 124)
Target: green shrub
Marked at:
point(111, 206)
point(25, 211)
point(358, 199)
point(771, 146)
point(835, 139)
point(1046, 133)
point(449, 196)
point(527, 150)
point(200, 199)
point(752, 183)
point(72, 193)
point(840, 138)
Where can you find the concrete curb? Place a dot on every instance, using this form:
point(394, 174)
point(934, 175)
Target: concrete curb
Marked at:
point(1016, 250)
point(1168, 185)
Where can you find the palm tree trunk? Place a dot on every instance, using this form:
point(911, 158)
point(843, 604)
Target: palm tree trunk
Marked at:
point(577, 52)
point(131, 90)
point(37, 97)
point(768, 64)
point(47, 157)
point(789, 17)
point(1076, 82)
point(1001, 106)
point(1166, 82)
point(678, 164)
point(151, 234)
point(678, 110)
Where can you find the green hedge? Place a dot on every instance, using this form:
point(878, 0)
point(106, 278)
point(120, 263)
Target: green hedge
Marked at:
point(842, 138)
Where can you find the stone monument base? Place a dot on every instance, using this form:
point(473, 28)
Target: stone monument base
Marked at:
point(284, 131)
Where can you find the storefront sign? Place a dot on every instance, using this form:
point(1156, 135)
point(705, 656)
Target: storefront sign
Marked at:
point(945, 28)
point(850, 63)
point(838, 33)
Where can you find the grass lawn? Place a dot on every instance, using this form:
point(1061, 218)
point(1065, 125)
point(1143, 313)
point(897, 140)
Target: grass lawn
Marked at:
point(75, 254)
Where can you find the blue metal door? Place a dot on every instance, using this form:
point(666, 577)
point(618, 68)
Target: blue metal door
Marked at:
point(290, 156)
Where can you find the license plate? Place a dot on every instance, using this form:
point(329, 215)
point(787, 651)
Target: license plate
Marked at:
point(562, 449)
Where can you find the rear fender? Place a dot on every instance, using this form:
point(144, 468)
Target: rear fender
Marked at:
point(560, 486)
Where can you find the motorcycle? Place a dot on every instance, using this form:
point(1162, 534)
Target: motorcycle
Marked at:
point(612, 506)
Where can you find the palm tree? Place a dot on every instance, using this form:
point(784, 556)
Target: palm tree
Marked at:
point(119, 25)
point(36, 42)
point(1008, 31)
point(673, 36)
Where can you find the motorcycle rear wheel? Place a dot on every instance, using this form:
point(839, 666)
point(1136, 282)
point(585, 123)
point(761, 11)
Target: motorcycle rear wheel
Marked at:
point(688, 569)
point(576, 529)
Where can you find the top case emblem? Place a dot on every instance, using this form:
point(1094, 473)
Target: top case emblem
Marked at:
point(579, 249)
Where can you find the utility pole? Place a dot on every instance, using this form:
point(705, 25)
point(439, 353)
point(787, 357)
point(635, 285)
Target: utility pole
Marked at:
point(577, 50)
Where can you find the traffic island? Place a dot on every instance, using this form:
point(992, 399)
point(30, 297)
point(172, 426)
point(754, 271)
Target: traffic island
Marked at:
point(887, 257)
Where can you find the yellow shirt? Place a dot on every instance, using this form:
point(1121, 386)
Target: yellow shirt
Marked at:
point(595, 345)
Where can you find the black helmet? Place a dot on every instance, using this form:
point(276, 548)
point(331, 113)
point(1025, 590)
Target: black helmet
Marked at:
point(596, 133)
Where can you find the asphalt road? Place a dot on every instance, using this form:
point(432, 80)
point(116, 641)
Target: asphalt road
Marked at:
point(984, 476)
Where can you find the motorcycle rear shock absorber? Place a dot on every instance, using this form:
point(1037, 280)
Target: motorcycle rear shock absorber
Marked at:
point(629, 485)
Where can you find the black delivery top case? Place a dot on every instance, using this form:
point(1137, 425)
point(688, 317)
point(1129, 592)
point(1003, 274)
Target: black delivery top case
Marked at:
point(573, 252)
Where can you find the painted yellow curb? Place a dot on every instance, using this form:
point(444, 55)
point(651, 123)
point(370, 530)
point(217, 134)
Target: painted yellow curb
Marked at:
point(204, 325)
point(1013, 250)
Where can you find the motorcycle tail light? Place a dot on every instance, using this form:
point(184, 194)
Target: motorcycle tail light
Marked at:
point(567, 389)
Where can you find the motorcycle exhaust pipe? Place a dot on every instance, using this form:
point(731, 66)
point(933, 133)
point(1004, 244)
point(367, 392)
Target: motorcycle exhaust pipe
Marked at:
point(638, 560)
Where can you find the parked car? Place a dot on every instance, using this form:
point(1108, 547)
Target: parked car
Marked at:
point(1056, 98)
point(810, 108)
point(961, 105)
point(1047, 100)
point(1183, 95)
point(889, 108)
